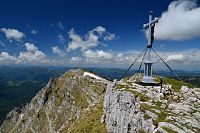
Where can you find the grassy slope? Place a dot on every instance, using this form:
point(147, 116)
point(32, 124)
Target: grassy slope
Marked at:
point(90, 121)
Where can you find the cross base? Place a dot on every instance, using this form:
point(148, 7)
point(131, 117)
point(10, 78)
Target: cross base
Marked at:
point(147, 79)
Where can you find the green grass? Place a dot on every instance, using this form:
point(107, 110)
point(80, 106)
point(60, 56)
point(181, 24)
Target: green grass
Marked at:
point(157, 105)
point(42, 119)
point(197, 129)
point(119, 86)
point(90, 121)
point(169, 130)
point(176, 85)
point(142, 97)
point(161, 117)
point(141, 131)
point(146, 116)
point(144, 107)
point(126, 78)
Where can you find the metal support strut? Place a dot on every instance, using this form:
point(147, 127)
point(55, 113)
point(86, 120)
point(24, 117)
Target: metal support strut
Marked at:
point(135, 61)
point(174, 73)
point(167, 65)
point(142, 60)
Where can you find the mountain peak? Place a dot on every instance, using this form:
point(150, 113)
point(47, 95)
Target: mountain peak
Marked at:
point(62, 102)
point(82, 101)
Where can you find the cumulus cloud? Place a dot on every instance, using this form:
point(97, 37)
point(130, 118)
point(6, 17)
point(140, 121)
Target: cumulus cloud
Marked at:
point(186, 58)
point(176, 57)
point(30, 47)
point(75, 59)
point(109, 37)
point(181, 21)
point(12, 34)
point(90, 40)
point(58, 51)
point(97, 55)
point(121, 58)
point(32, 55)
point(5, 58)
point(192, 56)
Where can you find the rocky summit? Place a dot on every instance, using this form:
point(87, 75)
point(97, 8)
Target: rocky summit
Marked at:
point(83, 102)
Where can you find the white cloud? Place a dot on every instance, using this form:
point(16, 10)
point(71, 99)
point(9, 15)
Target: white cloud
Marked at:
point(176, 57)
point(90, 40)
point(181, 21)
point(109, 37)
point(75, 59)
point(102, 32)
point(5, 58)
point(30, 47)
point(125, 58)
point(119, 57)
point(79, 42)
point(32, 55)
point(186, 58)
point(12, 34)
point(33, 31)
point(58, 51)
point(99, 29)
point(97, 55)
point(61, 38)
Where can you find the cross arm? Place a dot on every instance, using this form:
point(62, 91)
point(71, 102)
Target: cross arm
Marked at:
point(152, 22)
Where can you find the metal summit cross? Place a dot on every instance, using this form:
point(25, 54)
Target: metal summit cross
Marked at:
point(147, 78)
point(148, 63)
point(150, 31)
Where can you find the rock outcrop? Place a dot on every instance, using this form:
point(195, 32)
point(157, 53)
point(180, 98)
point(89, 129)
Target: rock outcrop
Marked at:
point(123, 113)
point(131, 108)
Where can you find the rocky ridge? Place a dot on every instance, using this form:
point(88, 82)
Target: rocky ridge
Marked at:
point(130, 107)
point(82, 102)
point(60, 105)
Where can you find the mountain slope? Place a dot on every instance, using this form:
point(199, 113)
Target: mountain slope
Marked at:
point(59, 105)
point(19, 84)
point(82, 102)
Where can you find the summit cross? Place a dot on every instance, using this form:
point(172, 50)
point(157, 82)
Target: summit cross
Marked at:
point(150, 26)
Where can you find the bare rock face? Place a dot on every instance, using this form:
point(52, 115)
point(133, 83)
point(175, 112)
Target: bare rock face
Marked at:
point(132, 108)
point(123, 113)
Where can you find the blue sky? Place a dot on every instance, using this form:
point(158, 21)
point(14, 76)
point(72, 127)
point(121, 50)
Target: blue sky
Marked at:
point(96, 33)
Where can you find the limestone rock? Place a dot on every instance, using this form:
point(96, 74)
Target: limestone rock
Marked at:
point(130, 107)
